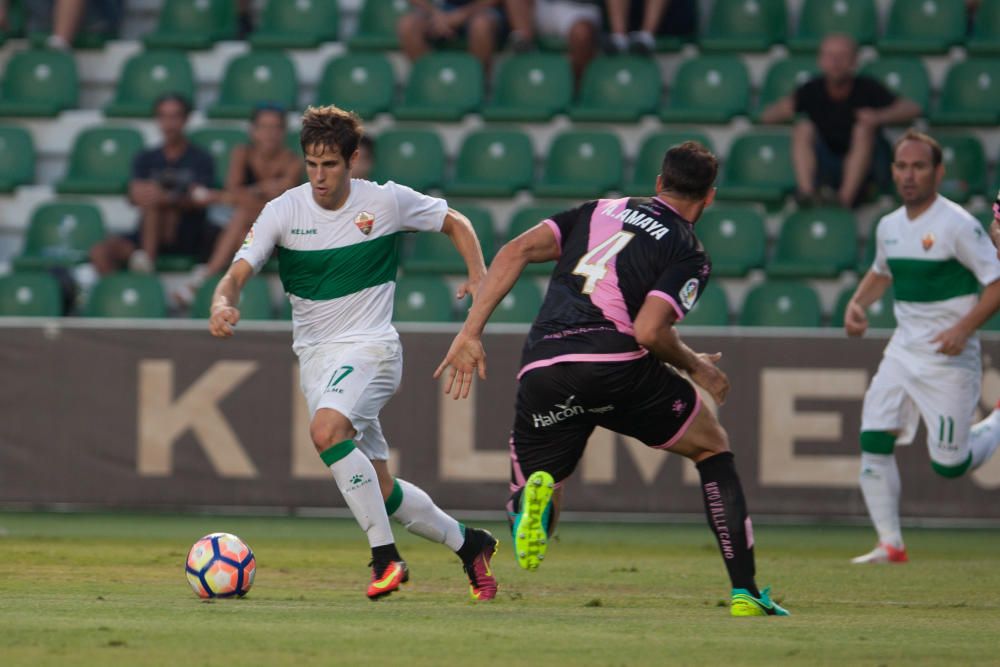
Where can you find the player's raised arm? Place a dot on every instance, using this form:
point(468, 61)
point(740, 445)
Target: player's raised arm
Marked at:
point(655, 331)
point(870, 289)
point(225, 313)
point(458, 228)
point(466, 355)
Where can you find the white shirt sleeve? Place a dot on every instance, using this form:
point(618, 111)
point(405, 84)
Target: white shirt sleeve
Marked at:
point(975, 250)
point(880, 264)
point(417, 212)
point(262, 238)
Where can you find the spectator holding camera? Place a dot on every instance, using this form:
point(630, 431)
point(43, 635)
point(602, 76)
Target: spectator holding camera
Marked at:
point(170, 188)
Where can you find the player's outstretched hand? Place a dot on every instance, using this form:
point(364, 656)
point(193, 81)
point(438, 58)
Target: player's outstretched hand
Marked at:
point(222, 321)
point(709, 377)
point(855, 319)
point(951, 341)
point(465, 358)
point(470, 287)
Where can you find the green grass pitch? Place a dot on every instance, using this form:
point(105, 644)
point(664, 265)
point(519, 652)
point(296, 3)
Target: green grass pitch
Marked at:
point(108, 589)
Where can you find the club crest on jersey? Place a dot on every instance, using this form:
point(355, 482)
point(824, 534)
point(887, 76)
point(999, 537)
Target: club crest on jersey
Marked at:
point(689, 293)
point(249, 238)
point(365, 221)
point(927, 241)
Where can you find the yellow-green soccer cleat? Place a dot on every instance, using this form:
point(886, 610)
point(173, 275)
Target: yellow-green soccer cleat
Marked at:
point(745, 604)
point(530, 538)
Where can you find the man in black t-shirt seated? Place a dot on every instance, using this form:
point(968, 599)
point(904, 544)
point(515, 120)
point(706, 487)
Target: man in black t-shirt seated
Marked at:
point(169, 186)
point(837, 143)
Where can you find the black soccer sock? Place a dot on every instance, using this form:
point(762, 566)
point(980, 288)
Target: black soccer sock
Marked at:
point(383, 555)
point(474, 540)
point(726, 509)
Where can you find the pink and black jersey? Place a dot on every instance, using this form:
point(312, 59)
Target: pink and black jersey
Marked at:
point(615, 253)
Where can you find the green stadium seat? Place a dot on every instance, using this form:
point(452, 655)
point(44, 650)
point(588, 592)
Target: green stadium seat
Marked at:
point(903, 75)
point(145, 77)
point(618, 89)
point(193, 24)
point(984, 216)
point(255, 300)
point(880, 315)
point(255, 78)
point(708, 89)
point(739, 25)
point(582, 164)
point(432, 252)
point(526, 218)
point(649, 162)
point(30, 294)
point(815, 243)
point(783, 77)
point(39, 82)
point(410, 157)
point(423, 299)
point(493, 163)
point(521, 305)
point(15, 22)
point(758, 168)
point(377, 25)
point(17, 157)
point(868, 250)
point(127, 295)
point(985, 39)
point(964, 167)
point(220, 142)
point(735, 238)
point(530, 87)
point(100, 161)
point(302, 24)
point(818, 18)
point(60, 234)
point(442, 87)
point(174, 263)
point(781, 303)
point(971, 94)
point(921, 27)
point(711, 309)
point(361, 82)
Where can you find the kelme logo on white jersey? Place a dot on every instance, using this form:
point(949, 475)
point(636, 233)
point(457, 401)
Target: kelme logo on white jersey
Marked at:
point(563, 412)
point(249, 238)
point(689, 293)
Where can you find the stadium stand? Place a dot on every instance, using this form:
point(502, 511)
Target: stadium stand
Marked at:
point(758, 168)
point(296, 25)
point(17, 157)
point(39, 82)
point(220, 141)
point(737, 25)
point(493, 163)
point(127, 295)
point(413, 157)
point(435, 253)
point(261, 77)
point(711, 309)
point(783, 77)
point(530, 87)
point(361, 82)
point(442, 87)
point(965, 166)
point(29, 294)
point(255, 300)
point(145, 77)
point(815, 243)
point(60, 233)
point(377, 25)
point(923, 26)
point(818, 18)
point(985, 38)
point(520, 305)
point(101, 161)
point(970, 94)
point(193, 24)
point(650, 158)
point(880, 315)
point(618, 89)
point(708, 89)
point(526, 218)
point(903, 75)
point(423, 299)
point(735, 238)
point(781, 303)
point(582, 164)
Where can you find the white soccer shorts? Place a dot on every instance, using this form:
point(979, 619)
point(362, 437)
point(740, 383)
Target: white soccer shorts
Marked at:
point(554, 18)
point(356, 380)
point(944, 396)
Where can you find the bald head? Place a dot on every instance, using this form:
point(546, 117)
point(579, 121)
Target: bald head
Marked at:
point(838, 57)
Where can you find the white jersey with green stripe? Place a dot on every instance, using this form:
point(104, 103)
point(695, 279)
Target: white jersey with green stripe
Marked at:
point(339, 267)
point(937, 263)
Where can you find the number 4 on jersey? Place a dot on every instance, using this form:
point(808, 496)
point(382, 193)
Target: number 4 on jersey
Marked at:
point(594, 265)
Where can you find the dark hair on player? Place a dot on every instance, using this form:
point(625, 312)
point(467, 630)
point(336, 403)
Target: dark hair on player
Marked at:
point(331, 127)
point(173, 97)
point(367, 142)
point(689, 171)
point(268, 107)
point(916, 135)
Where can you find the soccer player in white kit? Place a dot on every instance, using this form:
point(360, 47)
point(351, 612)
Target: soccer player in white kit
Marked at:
point(336, 239)
point(935, 256)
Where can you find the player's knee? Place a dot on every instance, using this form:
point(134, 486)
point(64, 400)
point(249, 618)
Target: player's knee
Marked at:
point(328, 432)
point(952, 471)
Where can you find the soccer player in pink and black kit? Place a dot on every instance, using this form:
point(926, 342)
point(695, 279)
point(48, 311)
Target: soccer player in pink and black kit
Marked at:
point(627, 270)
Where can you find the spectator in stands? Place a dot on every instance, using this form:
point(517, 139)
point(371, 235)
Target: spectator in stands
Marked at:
point(64, 18)
point(579, 23)
point(165, 186)
point(838, 148)
point(364, 163)
point(482, 22)
point(258, 172)
point(636, 24)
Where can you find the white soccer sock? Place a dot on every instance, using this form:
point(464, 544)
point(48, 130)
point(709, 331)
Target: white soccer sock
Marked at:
point(880, 486)
point(413, 508)
point(984, 437)
point(358, 483)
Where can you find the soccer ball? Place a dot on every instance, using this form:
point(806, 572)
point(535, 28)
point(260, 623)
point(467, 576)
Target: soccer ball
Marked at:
point(220, 565)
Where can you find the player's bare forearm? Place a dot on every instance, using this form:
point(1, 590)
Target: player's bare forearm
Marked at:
point(667, 346)
point(462, 235)
point(871, 288)
point(989, 303)
point(224, 312)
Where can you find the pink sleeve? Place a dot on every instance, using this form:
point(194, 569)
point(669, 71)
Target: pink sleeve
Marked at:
point(669, 299)
point(555, 230)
